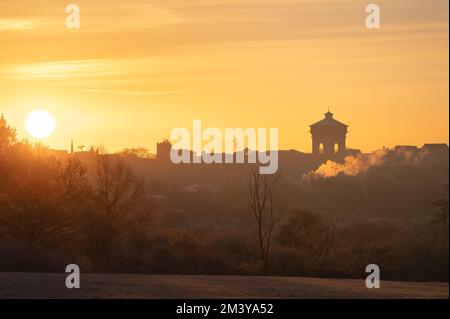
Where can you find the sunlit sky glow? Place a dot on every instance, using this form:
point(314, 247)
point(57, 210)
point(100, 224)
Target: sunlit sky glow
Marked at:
point(137, 69)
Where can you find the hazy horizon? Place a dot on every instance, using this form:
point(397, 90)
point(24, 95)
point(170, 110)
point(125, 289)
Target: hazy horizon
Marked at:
point(136, 70)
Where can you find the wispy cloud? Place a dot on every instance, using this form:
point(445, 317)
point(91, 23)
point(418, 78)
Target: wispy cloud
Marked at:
point(105, 68)
point(16, 24)
point(132, 93)
point(96, 16)
point(65, 69)
point(97, 76)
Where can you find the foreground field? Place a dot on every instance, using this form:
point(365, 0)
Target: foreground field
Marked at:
point(27, 285)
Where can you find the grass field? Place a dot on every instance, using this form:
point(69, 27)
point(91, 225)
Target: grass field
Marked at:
point(30, 285)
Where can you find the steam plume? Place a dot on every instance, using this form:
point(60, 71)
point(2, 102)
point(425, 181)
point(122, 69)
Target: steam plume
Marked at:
point(352, 166)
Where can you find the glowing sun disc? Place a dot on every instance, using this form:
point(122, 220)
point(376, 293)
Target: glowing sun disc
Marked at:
point(40, 124)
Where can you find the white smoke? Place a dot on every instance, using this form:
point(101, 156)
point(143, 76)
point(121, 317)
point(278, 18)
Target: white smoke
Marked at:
point(352, 166)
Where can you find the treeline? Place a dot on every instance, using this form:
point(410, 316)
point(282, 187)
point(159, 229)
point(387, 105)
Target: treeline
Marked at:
point(56, 211)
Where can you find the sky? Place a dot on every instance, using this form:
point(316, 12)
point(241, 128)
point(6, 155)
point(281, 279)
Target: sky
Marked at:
point(137, 69)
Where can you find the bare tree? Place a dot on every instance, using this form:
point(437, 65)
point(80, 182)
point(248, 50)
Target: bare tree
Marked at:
point(261, 190)
point(8, 137)
point(118, 205)
point(41, 200)
point(117, 191)
point(328, 238)
point(139, 152)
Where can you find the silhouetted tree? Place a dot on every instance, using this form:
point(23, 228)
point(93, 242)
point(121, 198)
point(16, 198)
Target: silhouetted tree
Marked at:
point(440, 213)
point(440, 236)
point(7, 134)
point(261, 190)
point(310, 233)
point(139, 152)
point(7, 140)
point(118, 205)
point(38, 204)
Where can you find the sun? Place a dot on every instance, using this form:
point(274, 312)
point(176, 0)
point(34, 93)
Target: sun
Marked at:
point(40, 124)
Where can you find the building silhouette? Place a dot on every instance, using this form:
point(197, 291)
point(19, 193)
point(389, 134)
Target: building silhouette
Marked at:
point(163, 151)
point(436, 148)
point(328, 138)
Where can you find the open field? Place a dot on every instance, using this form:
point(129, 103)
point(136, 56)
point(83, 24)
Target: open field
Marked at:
point(39, 285)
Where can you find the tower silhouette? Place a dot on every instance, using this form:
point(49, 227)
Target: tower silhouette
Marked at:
point(163, 150)
point(328, 137)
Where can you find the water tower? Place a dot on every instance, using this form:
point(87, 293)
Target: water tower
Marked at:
point(328, 138)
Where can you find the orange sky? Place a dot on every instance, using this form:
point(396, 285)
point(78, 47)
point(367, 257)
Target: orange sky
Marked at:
point(137, 69)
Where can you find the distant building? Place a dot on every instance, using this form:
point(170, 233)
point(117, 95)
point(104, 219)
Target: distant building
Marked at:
point(435, 148)
point(406, 148)
point(352, 152)
point(435, 155)
point(328, 137)
point(163, 150)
